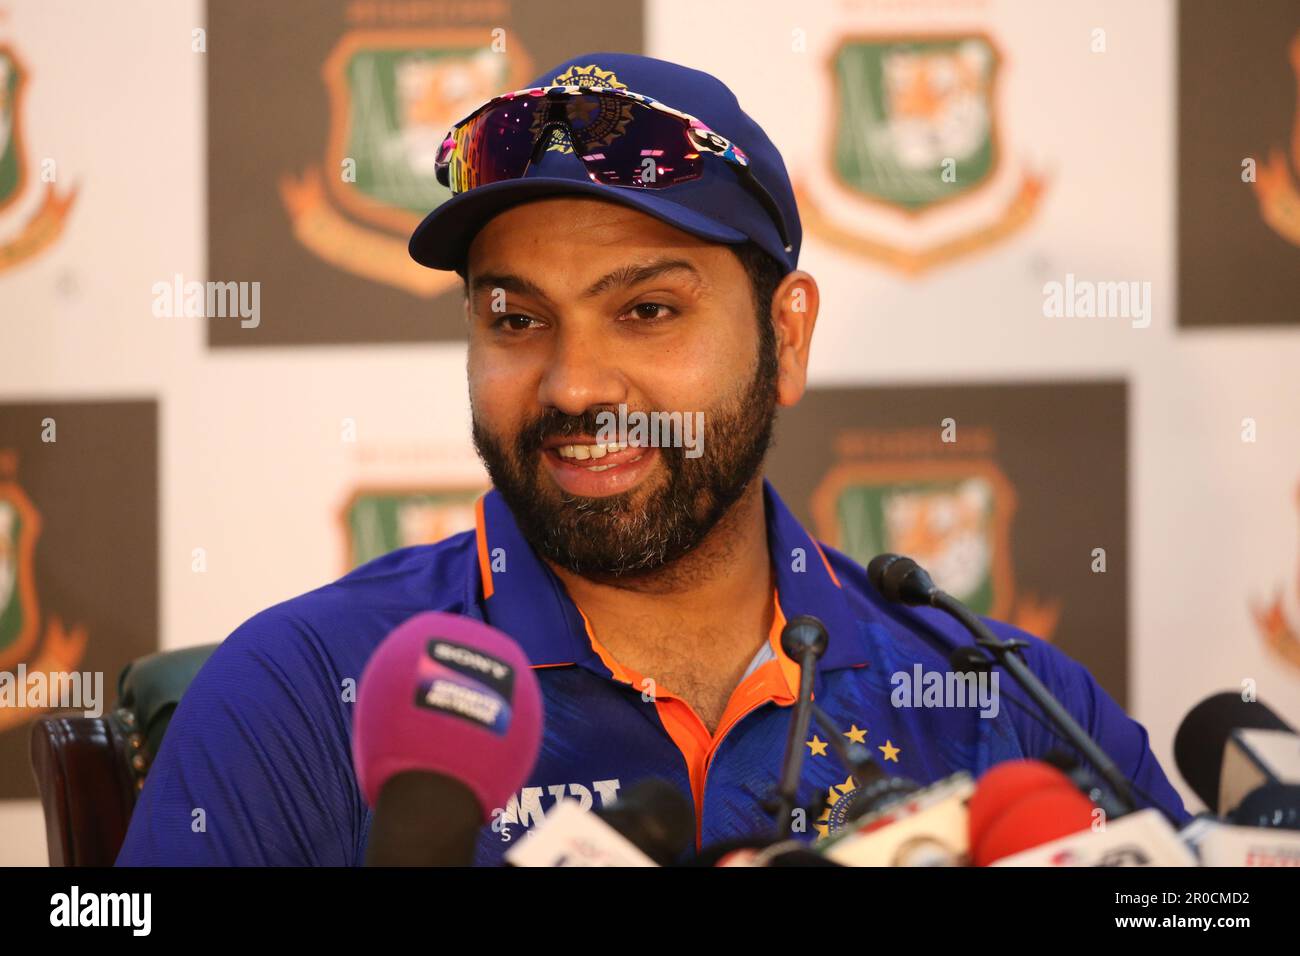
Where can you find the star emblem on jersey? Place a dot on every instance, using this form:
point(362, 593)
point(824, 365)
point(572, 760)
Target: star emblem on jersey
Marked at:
point(855, 735)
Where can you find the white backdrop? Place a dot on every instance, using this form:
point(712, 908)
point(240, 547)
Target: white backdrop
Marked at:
point(254, 469)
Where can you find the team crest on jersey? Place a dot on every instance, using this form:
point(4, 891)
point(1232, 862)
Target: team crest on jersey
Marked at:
point(839, 801)
point(917, 171)
point(393, 95)
point(1275, 182)
point(33, 212)
point(950, 514)
point(1275, 623)
point(24, 644)
point(841, 797)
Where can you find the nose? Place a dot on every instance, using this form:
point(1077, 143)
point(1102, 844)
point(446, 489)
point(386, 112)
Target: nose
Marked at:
point(581, 375)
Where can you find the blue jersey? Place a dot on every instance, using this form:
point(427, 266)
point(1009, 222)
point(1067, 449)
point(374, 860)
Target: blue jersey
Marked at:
point(260, 744)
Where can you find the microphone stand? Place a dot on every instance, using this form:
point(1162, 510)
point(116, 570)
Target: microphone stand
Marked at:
point(803, 639)
point(1005, 654)
point(903, 581)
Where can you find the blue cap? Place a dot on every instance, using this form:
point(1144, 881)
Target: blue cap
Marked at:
point(717, 206)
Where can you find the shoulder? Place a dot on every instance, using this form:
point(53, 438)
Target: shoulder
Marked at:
point(901, 636)
point(926, 630)
point(333, 629)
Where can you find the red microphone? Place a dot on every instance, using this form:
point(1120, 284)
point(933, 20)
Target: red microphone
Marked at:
point(447, 726)
point(1021, 804)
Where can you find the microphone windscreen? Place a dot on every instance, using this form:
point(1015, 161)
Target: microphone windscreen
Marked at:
point(1005, 784)
point(450, 695)
point(877, 567)
point(1203, 736)
point(1021, 804)
point(655, 816)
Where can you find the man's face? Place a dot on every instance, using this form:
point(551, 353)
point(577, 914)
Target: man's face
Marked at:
point(577, 307)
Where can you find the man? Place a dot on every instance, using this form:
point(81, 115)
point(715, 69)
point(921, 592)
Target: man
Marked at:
point(618, 256)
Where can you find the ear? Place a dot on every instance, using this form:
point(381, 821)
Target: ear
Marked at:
point(794, 313)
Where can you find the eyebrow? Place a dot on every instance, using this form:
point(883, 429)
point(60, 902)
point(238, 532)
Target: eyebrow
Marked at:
point(619, 278)
point(510, 283)
point(633, 275)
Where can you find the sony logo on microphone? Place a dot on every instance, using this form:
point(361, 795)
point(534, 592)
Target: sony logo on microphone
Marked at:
point(458, 654)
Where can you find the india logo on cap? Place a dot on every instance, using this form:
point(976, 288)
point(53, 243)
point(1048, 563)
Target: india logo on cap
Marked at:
point(599, 126)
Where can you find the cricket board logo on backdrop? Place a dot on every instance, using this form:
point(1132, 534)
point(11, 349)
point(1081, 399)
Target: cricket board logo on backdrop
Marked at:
point(917, 174)
point(52, 650)
point(31, 217)
point(393, 95)
point(379, 520)
point(1275, 623)
point(952, 515)
point(1275, 182)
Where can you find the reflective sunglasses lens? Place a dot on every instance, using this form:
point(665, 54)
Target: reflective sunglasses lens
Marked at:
point(495, 145)
point(626, 143)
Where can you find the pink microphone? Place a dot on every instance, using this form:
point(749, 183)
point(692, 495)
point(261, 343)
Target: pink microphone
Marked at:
point(447, 726)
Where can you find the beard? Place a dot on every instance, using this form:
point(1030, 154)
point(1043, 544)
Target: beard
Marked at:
point(644, 529)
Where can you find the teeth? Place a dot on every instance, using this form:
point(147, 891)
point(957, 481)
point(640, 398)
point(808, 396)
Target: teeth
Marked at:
point(589, 452)
point(608, 467)
point(584, 452)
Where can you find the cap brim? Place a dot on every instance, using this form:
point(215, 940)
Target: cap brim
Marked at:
point(442, 240)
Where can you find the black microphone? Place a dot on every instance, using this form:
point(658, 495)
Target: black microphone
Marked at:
point(804, 635)
point(803, 639)
point(654, 817)
point(1275, 806)
point(900, 580)
point(1085, 781)
point(1218, 750)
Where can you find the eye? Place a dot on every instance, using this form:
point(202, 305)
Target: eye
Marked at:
point(515, 322)
point(649, 312)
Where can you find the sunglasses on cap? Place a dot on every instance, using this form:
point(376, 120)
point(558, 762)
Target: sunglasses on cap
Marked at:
point(623, 139)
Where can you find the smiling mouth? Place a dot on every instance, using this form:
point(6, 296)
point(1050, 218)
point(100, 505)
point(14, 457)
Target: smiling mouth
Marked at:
point(596, 456)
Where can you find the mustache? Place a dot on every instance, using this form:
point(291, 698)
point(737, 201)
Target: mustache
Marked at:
point(553, 423)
